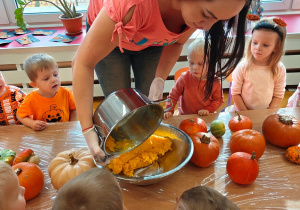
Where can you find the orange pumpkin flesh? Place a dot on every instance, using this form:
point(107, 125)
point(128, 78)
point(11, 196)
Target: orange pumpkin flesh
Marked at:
point(242, 168)
point(30, 177)
point(206, 149)
point(239, 122)
point(193, 125)
point(281, 130)
point(248, 140)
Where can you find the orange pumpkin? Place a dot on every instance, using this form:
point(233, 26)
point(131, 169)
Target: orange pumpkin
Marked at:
point(281, 130)
point(248, 140)
point(30, 177)
point(239, 122)
point(242, 168)
point(206, 149)
point(193, 125)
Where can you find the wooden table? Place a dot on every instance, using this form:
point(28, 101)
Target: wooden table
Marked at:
point(276, 187)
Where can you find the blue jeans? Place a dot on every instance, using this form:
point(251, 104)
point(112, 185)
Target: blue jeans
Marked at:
point(113, 71)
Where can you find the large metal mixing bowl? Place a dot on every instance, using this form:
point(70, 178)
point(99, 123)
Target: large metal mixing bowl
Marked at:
point(172, 161)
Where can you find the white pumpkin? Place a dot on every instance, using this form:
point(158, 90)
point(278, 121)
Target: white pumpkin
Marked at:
point(69, 164)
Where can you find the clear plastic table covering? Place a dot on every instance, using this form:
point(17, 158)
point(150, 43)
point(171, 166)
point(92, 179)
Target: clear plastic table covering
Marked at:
point(276, 187)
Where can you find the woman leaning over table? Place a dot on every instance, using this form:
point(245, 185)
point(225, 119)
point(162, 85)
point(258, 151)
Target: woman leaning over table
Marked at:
point(149, 35)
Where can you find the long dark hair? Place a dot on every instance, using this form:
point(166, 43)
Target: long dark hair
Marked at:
point(218, 40)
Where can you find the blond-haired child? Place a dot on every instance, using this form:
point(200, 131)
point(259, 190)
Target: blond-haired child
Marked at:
point(259, 80)
point(191, 86)
point(204, 198)
point(11, 193)
point(10, 99)
point(93, 189)
point(49, 102)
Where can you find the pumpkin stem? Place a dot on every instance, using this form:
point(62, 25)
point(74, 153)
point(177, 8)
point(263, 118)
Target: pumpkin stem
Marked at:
point(253, 155)
point(18, 171)
point(239, 116)
point(205, 139)
point(72, 160)
point(286, 119)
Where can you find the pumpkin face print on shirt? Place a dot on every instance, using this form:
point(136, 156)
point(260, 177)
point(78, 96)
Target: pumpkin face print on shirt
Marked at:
point(53, 115)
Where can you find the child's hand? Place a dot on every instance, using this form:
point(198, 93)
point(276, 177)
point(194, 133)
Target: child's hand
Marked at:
point(167, 115)
point(38, 125)
point(203, 112)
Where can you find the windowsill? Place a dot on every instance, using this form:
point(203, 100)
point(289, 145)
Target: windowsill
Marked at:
point(44, 41)
point(293, 27)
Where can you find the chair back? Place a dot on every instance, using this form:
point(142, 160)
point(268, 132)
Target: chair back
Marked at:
point(178, 72)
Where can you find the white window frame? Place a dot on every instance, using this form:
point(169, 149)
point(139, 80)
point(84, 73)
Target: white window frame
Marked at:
point(31, 17)
point(284, 5)
point(3, 15)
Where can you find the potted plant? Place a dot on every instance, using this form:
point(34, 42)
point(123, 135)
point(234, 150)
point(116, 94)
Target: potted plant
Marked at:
point(71, 20)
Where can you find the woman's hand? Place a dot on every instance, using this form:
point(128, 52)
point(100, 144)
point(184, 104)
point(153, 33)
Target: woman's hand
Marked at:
point(92, 140)
point(156, 89)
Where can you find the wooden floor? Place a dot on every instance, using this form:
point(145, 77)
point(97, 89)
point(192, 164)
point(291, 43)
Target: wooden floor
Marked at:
point(99, 100)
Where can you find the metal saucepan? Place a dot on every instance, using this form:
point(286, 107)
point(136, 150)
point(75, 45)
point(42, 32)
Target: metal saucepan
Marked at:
point(126, 118)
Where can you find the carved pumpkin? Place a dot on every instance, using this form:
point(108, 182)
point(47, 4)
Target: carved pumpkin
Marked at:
point(206, 149)
point(281, 130)
point(30, 177)
point(293, 154)
point(242, 168)
point(53, 115)
point(239, 122)
point(193, 125)
point(69, 164)
point(248, 140)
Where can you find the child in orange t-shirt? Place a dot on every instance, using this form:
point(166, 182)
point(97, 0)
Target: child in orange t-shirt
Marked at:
point(10, 99)
point(49, 102)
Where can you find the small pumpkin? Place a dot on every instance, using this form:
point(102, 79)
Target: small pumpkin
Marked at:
point(69, 164)
point(239, 122)
point(248, 140)
point(217, 128)
point(206, 149)
point(30, 177)
point(281, 130)
point(293, 154)
point(27, 155)
point(7, 155)
point(193, 125)
point(242, 167)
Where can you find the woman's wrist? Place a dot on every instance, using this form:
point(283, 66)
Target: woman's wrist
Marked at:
point(87, 128)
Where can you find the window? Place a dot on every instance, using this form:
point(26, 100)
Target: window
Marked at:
point(47, 13)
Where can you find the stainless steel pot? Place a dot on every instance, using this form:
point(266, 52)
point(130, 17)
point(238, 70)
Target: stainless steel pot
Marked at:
point(127, 115)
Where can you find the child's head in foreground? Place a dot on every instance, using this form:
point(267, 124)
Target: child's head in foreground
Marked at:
point(11, 193)
point(2, 85)
point(197, 63)
point(42, 70)
point(204, 198)
point(94, 189)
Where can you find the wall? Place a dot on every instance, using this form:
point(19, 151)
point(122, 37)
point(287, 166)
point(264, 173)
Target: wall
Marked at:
point(11, 60)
